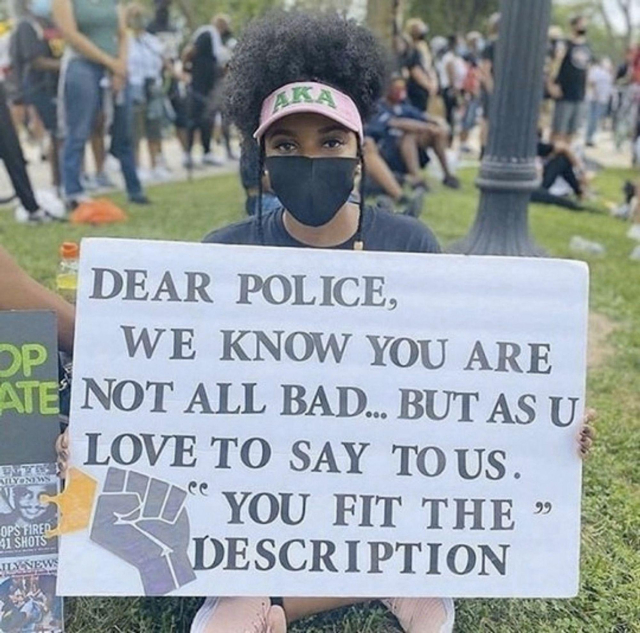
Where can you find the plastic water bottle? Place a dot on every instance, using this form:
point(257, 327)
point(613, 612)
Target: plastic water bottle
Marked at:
point(67, 278)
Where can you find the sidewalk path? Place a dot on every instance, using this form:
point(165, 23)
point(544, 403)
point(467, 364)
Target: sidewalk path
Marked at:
point(40, 172)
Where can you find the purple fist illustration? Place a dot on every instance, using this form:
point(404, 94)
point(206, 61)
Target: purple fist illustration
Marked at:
point(144, 522)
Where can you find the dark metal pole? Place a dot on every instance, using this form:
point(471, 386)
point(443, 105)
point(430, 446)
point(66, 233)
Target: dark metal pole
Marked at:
point(508, 172)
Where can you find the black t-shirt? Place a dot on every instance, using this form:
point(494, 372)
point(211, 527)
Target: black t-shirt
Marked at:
point(489, 51)
point(381, 231)
point(572, 77)
point(488, 54)
point(203, 64)
point(544, 150)
point(418, 96)
point(29, 42)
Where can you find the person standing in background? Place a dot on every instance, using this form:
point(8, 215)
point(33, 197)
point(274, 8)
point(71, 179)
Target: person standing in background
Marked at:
point(222, 22)
point(453, 71)
point(486, 75)
point(600, 83)
point(556, 48)
point(422, 81)
point(146, 66)
point(95, 62)
point(570, 86)
point(36, 49)
point(16, 165)
point(205, 54)
point(471, 89)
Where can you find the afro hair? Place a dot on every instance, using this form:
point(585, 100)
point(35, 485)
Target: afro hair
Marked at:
point(285, 47)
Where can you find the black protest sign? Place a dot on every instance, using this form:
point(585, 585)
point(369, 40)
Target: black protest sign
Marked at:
point(28, 387)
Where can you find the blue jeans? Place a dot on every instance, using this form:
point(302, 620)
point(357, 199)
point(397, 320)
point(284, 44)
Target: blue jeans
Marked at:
point(596, 111)
point(471, 114)
point(82, 104)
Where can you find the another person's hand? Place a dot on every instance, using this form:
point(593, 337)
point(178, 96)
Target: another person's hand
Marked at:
point(587, 433)
point(62, 449)
point(119, 68)
point(118, 83)
point(555, 91)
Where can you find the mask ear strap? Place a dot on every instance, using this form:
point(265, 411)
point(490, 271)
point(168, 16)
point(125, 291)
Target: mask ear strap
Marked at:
point(261, 160)
point(358, 244)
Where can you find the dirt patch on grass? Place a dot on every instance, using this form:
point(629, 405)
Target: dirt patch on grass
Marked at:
point(600, 349)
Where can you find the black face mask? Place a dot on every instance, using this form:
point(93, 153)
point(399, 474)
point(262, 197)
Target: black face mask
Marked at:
point(313, 190)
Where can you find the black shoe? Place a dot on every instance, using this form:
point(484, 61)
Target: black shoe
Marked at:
point(72, 203)
point(451, 181)
point(139, 198)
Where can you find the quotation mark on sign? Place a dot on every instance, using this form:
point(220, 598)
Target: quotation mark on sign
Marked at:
point(195, 488)
point(543, 508)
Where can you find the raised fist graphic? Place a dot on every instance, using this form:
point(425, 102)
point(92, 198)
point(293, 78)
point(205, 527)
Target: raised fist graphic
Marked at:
point(144, 522)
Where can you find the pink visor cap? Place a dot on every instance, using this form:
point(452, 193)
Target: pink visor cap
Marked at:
point(309, 96)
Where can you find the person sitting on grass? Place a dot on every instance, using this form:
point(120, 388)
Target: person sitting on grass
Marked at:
point(558, 160)
point(404, 135)
point(301, 84)
point(381, 179)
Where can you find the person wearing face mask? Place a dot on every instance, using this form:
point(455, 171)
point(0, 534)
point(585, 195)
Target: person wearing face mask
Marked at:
point(36, 49)
point(422, 81)
point(307, 119)
point(570, 86)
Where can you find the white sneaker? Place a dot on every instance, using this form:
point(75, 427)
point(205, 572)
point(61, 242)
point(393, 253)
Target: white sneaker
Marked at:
point(88, 182)
point(161, 161)
point(49, 200)
point(161, 174)
point(634, 232)
point(145, 175)
point(211, 160)
point(41, 216)
point(422, 615)
point(111, 164)
point(239, 615)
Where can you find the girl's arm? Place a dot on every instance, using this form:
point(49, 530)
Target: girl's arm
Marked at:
point(424, 79)
point(123, 49)
point(18, 291)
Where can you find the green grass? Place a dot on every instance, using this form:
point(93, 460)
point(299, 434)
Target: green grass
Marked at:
point(609, 600)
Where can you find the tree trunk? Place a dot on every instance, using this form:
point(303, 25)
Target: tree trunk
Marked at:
point(187, 10)
point(383, 18)
point(508, 173)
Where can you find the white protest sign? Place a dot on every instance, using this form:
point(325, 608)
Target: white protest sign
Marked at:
point(328, 423)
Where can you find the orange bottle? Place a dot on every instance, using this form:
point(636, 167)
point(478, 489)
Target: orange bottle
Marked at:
point(67, 278)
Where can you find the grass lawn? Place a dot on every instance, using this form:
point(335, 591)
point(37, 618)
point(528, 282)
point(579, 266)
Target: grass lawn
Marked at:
point(609, 600)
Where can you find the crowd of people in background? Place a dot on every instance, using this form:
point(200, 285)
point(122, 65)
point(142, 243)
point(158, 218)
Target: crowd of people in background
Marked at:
point(78, 73)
